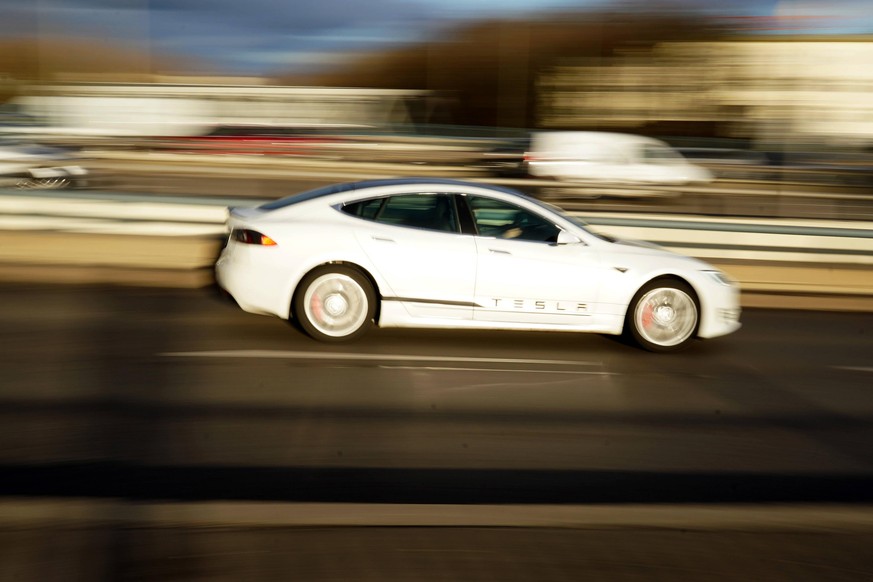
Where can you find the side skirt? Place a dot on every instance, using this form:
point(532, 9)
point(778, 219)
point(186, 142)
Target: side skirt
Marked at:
point(398, 314)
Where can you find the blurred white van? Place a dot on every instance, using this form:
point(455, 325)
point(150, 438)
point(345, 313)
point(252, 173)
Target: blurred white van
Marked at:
point(580, 156)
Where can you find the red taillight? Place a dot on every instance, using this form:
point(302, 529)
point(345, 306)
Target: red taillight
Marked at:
point(252, 237)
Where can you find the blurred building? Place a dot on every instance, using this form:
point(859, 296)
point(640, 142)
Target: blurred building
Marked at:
point(158, 109)
point(775, 90)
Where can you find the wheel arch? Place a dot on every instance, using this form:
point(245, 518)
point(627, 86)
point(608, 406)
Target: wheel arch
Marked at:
point(349, 264)
point(665, 277)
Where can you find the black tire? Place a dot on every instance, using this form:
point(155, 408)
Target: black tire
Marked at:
point(663, 316)
point(334, 303)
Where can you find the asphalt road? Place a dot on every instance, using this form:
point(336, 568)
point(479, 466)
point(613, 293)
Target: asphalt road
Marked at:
point(166, 396)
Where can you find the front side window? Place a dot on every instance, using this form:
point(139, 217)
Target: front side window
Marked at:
point(499, 219)
point(428, 211)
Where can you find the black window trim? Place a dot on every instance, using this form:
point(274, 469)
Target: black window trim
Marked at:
point(465, 215)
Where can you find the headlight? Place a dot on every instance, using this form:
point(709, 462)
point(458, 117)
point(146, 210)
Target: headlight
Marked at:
point(721, 278)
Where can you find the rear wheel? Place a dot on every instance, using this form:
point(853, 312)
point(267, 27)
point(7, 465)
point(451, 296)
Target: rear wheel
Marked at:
point(335, 303)
point(663, 316)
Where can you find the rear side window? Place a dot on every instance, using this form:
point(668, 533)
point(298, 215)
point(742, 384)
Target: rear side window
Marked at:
point(428, 211)
point(366, 208)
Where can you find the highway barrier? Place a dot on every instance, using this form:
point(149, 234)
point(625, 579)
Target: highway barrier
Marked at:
point(145, 240)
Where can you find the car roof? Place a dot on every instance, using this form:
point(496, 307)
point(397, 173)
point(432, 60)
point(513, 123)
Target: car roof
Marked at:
point(365, 184)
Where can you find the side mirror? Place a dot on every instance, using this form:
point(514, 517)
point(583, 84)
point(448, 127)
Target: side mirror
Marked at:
point(565, 238)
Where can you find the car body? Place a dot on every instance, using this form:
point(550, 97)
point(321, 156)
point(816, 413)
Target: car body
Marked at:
point(32, 165)
point(439, 253)
point(614, 158)
point(729, 163)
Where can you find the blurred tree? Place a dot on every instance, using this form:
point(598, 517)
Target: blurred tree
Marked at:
point(489, 69)
point(55, 60)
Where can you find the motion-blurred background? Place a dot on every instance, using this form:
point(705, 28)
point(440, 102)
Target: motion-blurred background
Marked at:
point(149, 431)
point(746, 83)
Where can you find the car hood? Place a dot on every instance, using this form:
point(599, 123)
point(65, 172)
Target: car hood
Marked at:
point(644, 252)
point(642, 244)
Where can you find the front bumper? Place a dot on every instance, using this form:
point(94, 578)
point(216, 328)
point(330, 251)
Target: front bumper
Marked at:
point(721, 311)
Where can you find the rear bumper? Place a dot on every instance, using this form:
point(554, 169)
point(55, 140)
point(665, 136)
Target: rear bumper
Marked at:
point(255, 284)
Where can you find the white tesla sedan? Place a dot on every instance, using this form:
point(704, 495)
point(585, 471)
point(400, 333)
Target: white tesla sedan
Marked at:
point(436, 253)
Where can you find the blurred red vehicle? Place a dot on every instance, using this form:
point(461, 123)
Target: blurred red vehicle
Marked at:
point(258, 140)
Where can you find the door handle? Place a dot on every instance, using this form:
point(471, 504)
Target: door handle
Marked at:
point(499, 252)
point(382, 239)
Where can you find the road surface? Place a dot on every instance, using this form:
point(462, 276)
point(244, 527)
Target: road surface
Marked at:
point(154, 434)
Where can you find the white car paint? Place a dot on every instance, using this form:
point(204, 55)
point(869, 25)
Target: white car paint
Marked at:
point(431, 266)
point(431, 279)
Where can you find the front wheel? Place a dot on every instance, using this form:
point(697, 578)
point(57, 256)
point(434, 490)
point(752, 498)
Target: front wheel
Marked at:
point(335, 303)
point(663, 316)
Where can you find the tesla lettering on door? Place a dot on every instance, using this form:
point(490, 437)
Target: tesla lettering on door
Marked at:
point(518, 254)
point(502, 303)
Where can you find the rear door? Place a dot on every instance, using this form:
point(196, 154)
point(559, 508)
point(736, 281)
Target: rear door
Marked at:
point(415, 244)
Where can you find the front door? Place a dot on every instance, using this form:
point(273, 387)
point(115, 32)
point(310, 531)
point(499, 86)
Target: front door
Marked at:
point(523, 275)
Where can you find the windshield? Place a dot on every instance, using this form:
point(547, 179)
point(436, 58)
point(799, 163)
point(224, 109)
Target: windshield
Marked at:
point(657, 154)
point(570, 218)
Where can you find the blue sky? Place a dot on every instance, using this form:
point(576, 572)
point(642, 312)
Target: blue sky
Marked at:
point(264, 36)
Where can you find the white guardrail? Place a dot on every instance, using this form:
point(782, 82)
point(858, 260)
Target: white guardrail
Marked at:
point(770, 256)
point(805, 241)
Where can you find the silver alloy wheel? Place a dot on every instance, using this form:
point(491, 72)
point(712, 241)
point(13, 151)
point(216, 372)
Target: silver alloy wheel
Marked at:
point(336, 305)
point(665, 316)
